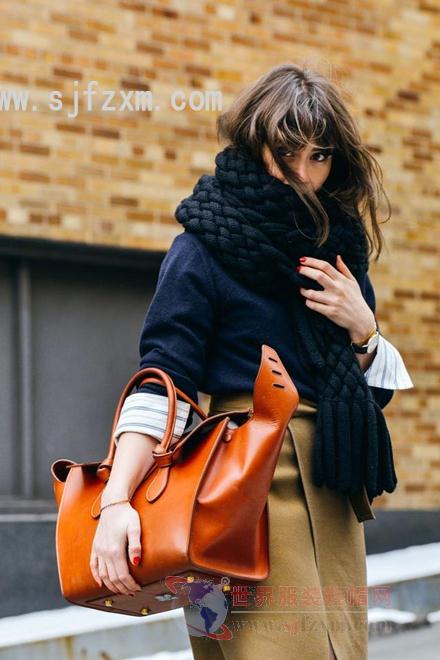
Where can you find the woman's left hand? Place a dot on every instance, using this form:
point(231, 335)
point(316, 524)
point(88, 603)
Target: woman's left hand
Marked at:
point(342, 300)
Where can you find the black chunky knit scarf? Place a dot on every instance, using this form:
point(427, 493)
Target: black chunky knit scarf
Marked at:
point(258, 227)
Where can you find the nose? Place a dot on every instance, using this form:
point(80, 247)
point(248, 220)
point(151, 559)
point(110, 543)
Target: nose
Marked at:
point(301, 171)
point(300, 168)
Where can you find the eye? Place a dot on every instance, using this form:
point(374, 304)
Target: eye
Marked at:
point(326, 155)
point(285, 153)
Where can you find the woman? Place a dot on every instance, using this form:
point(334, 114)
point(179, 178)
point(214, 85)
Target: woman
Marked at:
point(281, 217)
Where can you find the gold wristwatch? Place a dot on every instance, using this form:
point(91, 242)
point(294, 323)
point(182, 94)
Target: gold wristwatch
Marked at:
point(368, 344)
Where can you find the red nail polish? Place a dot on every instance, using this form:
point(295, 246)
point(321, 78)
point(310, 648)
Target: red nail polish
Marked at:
point(136, 560)
point(302, 258)
point(298, 268)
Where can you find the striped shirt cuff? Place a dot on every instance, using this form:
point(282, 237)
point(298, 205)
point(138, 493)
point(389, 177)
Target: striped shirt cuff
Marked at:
point(387, 369)
point(145, 412)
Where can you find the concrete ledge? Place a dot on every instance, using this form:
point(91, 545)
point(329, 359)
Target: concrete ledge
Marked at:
point(411, 577)
point(79, 632)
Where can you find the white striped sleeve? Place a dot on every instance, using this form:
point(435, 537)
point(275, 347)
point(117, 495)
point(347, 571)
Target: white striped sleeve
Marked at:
point(387, 369)
point(146, 412)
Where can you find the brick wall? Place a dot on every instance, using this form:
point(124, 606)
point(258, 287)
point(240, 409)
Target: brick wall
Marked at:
point(116, 177)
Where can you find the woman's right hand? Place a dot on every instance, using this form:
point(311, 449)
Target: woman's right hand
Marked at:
point(118, 524)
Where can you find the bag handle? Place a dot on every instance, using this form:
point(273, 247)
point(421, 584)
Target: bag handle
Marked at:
point(162, 378)
point(275, 398)
point(201, 413)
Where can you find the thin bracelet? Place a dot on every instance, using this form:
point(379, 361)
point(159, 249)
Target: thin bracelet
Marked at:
point(111, 504)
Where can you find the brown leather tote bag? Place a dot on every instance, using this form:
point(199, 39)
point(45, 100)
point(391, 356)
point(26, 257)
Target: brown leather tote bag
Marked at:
point(202, 505)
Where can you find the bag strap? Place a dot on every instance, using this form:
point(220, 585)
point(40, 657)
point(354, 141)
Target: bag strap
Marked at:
point(162, 378)
point(201, 413)
point(275, 398)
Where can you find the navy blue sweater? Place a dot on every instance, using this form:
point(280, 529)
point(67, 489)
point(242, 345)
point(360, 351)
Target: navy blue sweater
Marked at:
point(205, 329)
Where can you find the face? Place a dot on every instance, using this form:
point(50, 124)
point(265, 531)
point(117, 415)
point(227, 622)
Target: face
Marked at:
point(312, 164)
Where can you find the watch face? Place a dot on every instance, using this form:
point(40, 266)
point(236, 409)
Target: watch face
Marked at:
point(373, 343)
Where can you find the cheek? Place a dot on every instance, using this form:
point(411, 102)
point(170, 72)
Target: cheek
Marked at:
point(275, 171)
point(323, 174)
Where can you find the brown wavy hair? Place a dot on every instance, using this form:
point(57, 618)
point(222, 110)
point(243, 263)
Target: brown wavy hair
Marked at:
point(292, 106)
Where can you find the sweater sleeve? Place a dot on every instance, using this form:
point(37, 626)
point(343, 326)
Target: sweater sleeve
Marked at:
point(145, 412)
point(180, 319)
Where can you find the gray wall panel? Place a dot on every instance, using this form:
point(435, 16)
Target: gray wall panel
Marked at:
point(69, 341)
point(86, 327)
point(9, 447)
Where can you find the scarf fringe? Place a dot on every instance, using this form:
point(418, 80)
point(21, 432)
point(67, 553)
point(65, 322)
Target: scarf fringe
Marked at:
point(346, 465)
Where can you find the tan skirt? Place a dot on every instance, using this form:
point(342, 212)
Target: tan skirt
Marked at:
point(316, 591)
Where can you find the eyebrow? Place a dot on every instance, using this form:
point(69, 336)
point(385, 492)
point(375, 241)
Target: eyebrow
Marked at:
point(317, 148)
point(314, 149)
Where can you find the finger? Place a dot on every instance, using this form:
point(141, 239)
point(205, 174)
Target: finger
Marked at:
point(316, 274)
point(320, 264)
point(134, 541)
point(343, 268)
point(327, 310)
point(94, 568)
point(317, 296)
point(114, 577)
point(103, 574)
point(124, 575)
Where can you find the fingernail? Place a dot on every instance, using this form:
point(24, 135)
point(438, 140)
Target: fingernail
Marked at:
point(302, 258)
point(298, 268)
point(136, 560)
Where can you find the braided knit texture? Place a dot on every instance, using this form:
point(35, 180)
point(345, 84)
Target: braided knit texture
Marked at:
point(257, 227)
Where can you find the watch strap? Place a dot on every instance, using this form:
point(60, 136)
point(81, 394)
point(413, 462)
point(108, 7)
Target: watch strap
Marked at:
point(365, 341)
